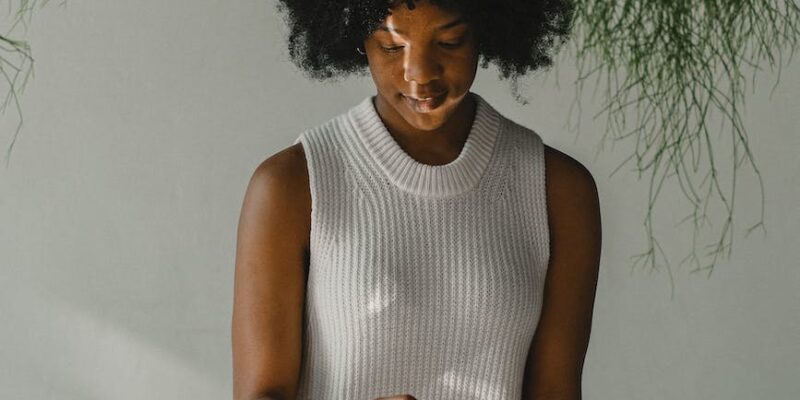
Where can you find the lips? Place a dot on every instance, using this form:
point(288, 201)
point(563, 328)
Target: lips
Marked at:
point(424, 102)
point(422, 96)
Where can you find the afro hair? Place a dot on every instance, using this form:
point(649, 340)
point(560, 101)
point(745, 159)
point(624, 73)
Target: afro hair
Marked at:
point(516, 35)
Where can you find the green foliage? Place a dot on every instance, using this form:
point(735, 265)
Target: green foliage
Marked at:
point(674, 63)
point(16, 60)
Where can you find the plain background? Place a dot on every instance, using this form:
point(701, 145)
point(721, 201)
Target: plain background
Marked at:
point(143, 124)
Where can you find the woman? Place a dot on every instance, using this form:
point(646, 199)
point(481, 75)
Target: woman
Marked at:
point(409, 247)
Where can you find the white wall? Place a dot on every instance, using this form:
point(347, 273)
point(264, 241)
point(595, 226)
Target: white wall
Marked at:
point(143, 123)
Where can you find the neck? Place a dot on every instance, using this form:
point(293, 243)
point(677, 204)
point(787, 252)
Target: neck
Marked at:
point(438, 146)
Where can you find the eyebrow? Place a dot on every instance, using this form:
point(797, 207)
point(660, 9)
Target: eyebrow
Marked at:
point(457, 21)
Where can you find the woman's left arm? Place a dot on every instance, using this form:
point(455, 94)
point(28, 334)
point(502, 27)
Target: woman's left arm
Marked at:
point(555, 358)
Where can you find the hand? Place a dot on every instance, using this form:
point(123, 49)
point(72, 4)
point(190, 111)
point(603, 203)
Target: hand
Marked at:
point(398, 397)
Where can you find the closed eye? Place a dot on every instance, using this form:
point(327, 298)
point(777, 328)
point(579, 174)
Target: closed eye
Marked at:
point(447, 45)
point(452, 45)
point(392, 49)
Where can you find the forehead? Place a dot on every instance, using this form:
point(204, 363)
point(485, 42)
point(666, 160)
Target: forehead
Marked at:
point(424, 17)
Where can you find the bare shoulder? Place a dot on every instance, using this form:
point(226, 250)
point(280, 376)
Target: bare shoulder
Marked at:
point(573, 205)
point(565, 175)
point(572, 198)
point(287, 165)
point(282, 180)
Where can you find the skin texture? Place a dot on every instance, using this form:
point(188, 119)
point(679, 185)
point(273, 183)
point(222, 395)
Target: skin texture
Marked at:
point(556, 356)
point(414, 56)
point(269, 282)
point(275, 224)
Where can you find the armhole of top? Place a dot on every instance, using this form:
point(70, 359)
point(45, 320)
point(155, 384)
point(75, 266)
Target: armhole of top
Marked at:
point(541, 178)
point(308, 151)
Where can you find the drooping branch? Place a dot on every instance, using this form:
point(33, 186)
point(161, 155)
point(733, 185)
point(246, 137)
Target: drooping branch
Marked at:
point(16, 61)
point(675, 64)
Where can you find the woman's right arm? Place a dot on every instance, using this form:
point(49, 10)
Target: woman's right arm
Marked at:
point(269, 281)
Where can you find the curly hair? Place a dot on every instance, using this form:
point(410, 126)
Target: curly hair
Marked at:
point(516, 35)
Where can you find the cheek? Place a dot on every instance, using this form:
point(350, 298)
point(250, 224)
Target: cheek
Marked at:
point(378, 70)
point(385, 80)
point(386, 75)
point(462, 65)
point(463, 72)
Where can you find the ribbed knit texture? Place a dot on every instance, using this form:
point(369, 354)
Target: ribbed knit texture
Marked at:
point(425, 280)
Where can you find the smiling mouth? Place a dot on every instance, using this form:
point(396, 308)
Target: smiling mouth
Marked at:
point(425, 104)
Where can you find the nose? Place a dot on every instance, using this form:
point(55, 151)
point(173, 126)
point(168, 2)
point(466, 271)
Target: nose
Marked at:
point(421, 66)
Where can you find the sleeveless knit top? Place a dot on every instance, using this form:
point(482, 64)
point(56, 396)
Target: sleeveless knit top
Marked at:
point(423, 280)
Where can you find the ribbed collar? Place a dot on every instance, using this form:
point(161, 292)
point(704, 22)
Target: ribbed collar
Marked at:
point(457, 177)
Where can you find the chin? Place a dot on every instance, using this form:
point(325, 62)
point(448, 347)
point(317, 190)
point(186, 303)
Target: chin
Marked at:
point(429, 120)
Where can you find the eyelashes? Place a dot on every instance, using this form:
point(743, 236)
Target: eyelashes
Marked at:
point(452, 45)
point(446, 45)
point(393, 49)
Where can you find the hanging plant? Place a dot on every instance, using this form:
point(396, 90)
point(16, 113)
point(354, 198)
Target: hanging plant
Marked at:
point(16, 61)
point(675, 64)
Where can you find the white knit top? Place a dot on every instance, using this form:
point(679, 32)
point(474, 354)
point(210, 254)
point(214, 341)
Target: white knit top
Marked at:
point(423, 280)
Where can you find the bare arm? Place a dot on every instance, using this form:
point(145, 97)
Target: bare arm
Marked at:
point(555, 359)
point(269, 283)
